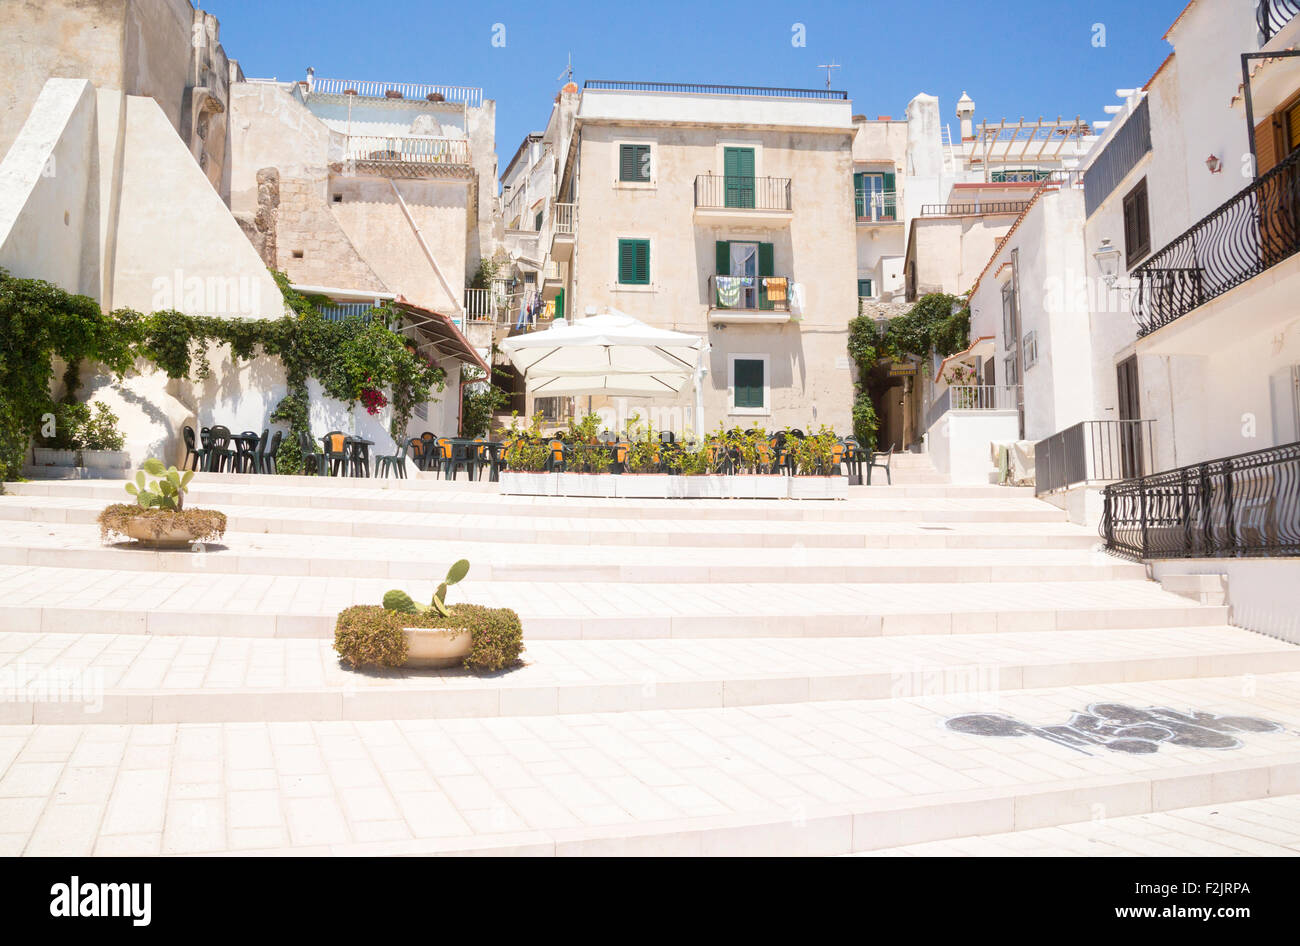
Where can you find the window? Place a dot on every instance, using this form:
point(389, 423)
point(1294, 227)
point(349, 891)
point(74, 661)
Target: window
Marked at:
point(874, 197)
point(864, 289)
point(1009, 370)
point(338, 198)
point(1137, 225)
point(749, 394)
point(634, 163)
point(738, 177)
point(1009, 315)
point(750, 261)
point(537, 222)
point(634, 262)
point(1030, 349)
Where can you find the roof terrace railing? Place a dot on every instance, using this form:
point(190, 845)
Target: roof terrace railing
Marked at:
point(468, 95)
point(1272, 15)
point(707, 89)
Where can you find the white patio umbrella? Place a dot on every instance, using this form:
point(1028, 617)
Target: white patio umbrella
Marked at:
point(611, 354)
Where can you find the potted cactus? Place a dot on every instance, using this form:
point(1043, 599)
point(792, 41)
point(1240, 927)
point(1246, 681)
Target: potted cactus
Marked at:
point(402, 633)
point(158, 518)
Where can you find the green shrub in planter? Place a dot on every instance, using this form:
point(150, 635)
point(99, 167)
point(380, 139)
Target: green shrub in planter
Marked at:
point(367, 635)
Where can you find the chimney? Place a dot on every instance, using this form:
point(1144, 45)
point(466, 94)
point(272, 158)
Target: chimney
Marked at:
point(966, 112)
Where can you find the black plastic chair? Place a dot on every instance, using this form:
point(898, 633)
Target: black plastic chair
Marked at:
point(266, 456)
point(875, 463)
point(395, 464)
point(433, 453)
point(220, 457)
point(246, 449)
point(313, 463)
point(358, 456)
point(192, 449)
point(335, 445)
point(457, 455)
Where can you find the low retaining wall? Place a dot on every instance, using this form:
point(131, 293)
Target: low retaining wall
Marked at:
point(656, 486)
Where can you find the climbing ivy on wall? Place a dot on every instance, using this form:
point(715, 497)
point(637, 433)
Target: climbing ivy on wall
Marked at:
point(930, 327)
point(39, 321)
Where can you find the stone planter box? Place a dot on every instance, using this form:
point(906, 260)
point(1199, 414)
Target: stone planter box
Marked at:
point(141, 530)
point(106, 459)
point(530, 484)
point(46, 456)
point(593, 485)
point(436, 647)
point(662, 486)
point(819, 487)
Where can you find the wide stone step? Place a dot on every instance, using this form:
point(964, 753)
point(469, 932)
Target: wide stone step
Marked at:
point(420, 558)
point(108, 679)
point(78, 523)
point(864, 505)
point(42, 599)
point(1261, 827)
point(784, 779)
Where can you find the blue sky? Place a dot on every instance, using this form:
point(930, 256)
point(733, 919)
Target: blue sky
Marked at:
point(1036, 60)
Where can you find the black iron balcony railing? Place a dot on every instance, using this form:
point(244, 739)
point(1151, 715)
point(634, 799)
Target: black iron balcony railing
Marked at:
point(733, 191)
point(706, 89)
point(1275, 14)
point(750, 293)
point(976, 209)
point(1257, 228)
point(1247, 505)
point(1095, 451)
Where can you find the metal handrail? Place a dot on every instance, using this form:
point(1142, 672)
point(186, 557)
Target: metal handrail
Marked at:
point(742, 192)
point(1246, 505)
point(881, 206)
point(1255, 229)
point(752, 298)
point(977, 209)
point(974, 397)
point(1094, 451)
point(705, 89)
point(566, 216)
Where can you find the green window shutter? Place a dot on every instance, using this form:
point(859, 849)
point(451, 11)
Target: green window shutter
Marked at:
point(722, 258)
point(860, 195)
point(634, 163)
point(738, 177)
point(890, 199)
point(864, 287)
point(766, 267)
point(559, 304)
point(748, 378)
point(537, 221)
point(634, 262)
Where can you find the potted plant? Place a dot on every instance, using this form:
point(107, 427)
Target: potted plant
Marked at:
point(401, 633)
point(815, 472)
point(158, 518)
point(81, 438)
point(527, 457)
point(102, 441)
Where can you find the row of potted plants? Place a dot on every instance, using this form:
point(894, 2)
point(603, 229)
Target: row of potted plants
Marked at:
point(74, 435)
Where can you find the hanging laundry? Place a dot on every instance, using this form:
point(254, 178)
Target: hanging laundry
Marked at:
point(729, 288)
point(776, 288)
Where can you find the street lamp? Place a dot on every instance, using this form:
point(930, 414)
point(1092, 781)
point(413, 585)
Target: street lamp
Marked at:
point(1107, 257)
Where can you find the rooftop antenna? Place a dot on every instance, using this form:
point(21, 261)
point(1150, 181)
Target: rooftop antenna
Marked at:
point(567, 75)
point(829, 67)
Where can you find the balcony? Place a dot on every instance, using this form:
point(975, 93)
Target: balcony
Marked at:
point(408, 156)
point(1273, 15)
point(878, 208)
point(749, 299)
point(692, 88)
point(1253, 231)
point(564, 227)
point(1094, 451)
point(973, 397)
point(456, 94)
point(979, 208)
point(721, 198)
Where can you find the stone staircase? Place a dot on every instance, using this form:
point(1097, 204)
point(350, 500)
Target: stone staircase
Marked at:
point(701, 676)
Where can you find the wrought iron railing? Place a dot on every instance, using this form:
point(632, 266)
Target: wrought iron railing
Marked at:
point(468, 95)
point(974, 397)
point(1094, 451)
point(1272, 15)
point(735, 191)
point(1247, 505)
point(878, 207)
point(977, 209)
point(1257, 228)
point(407, 149)
point(750, 293)
point(705, 89)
